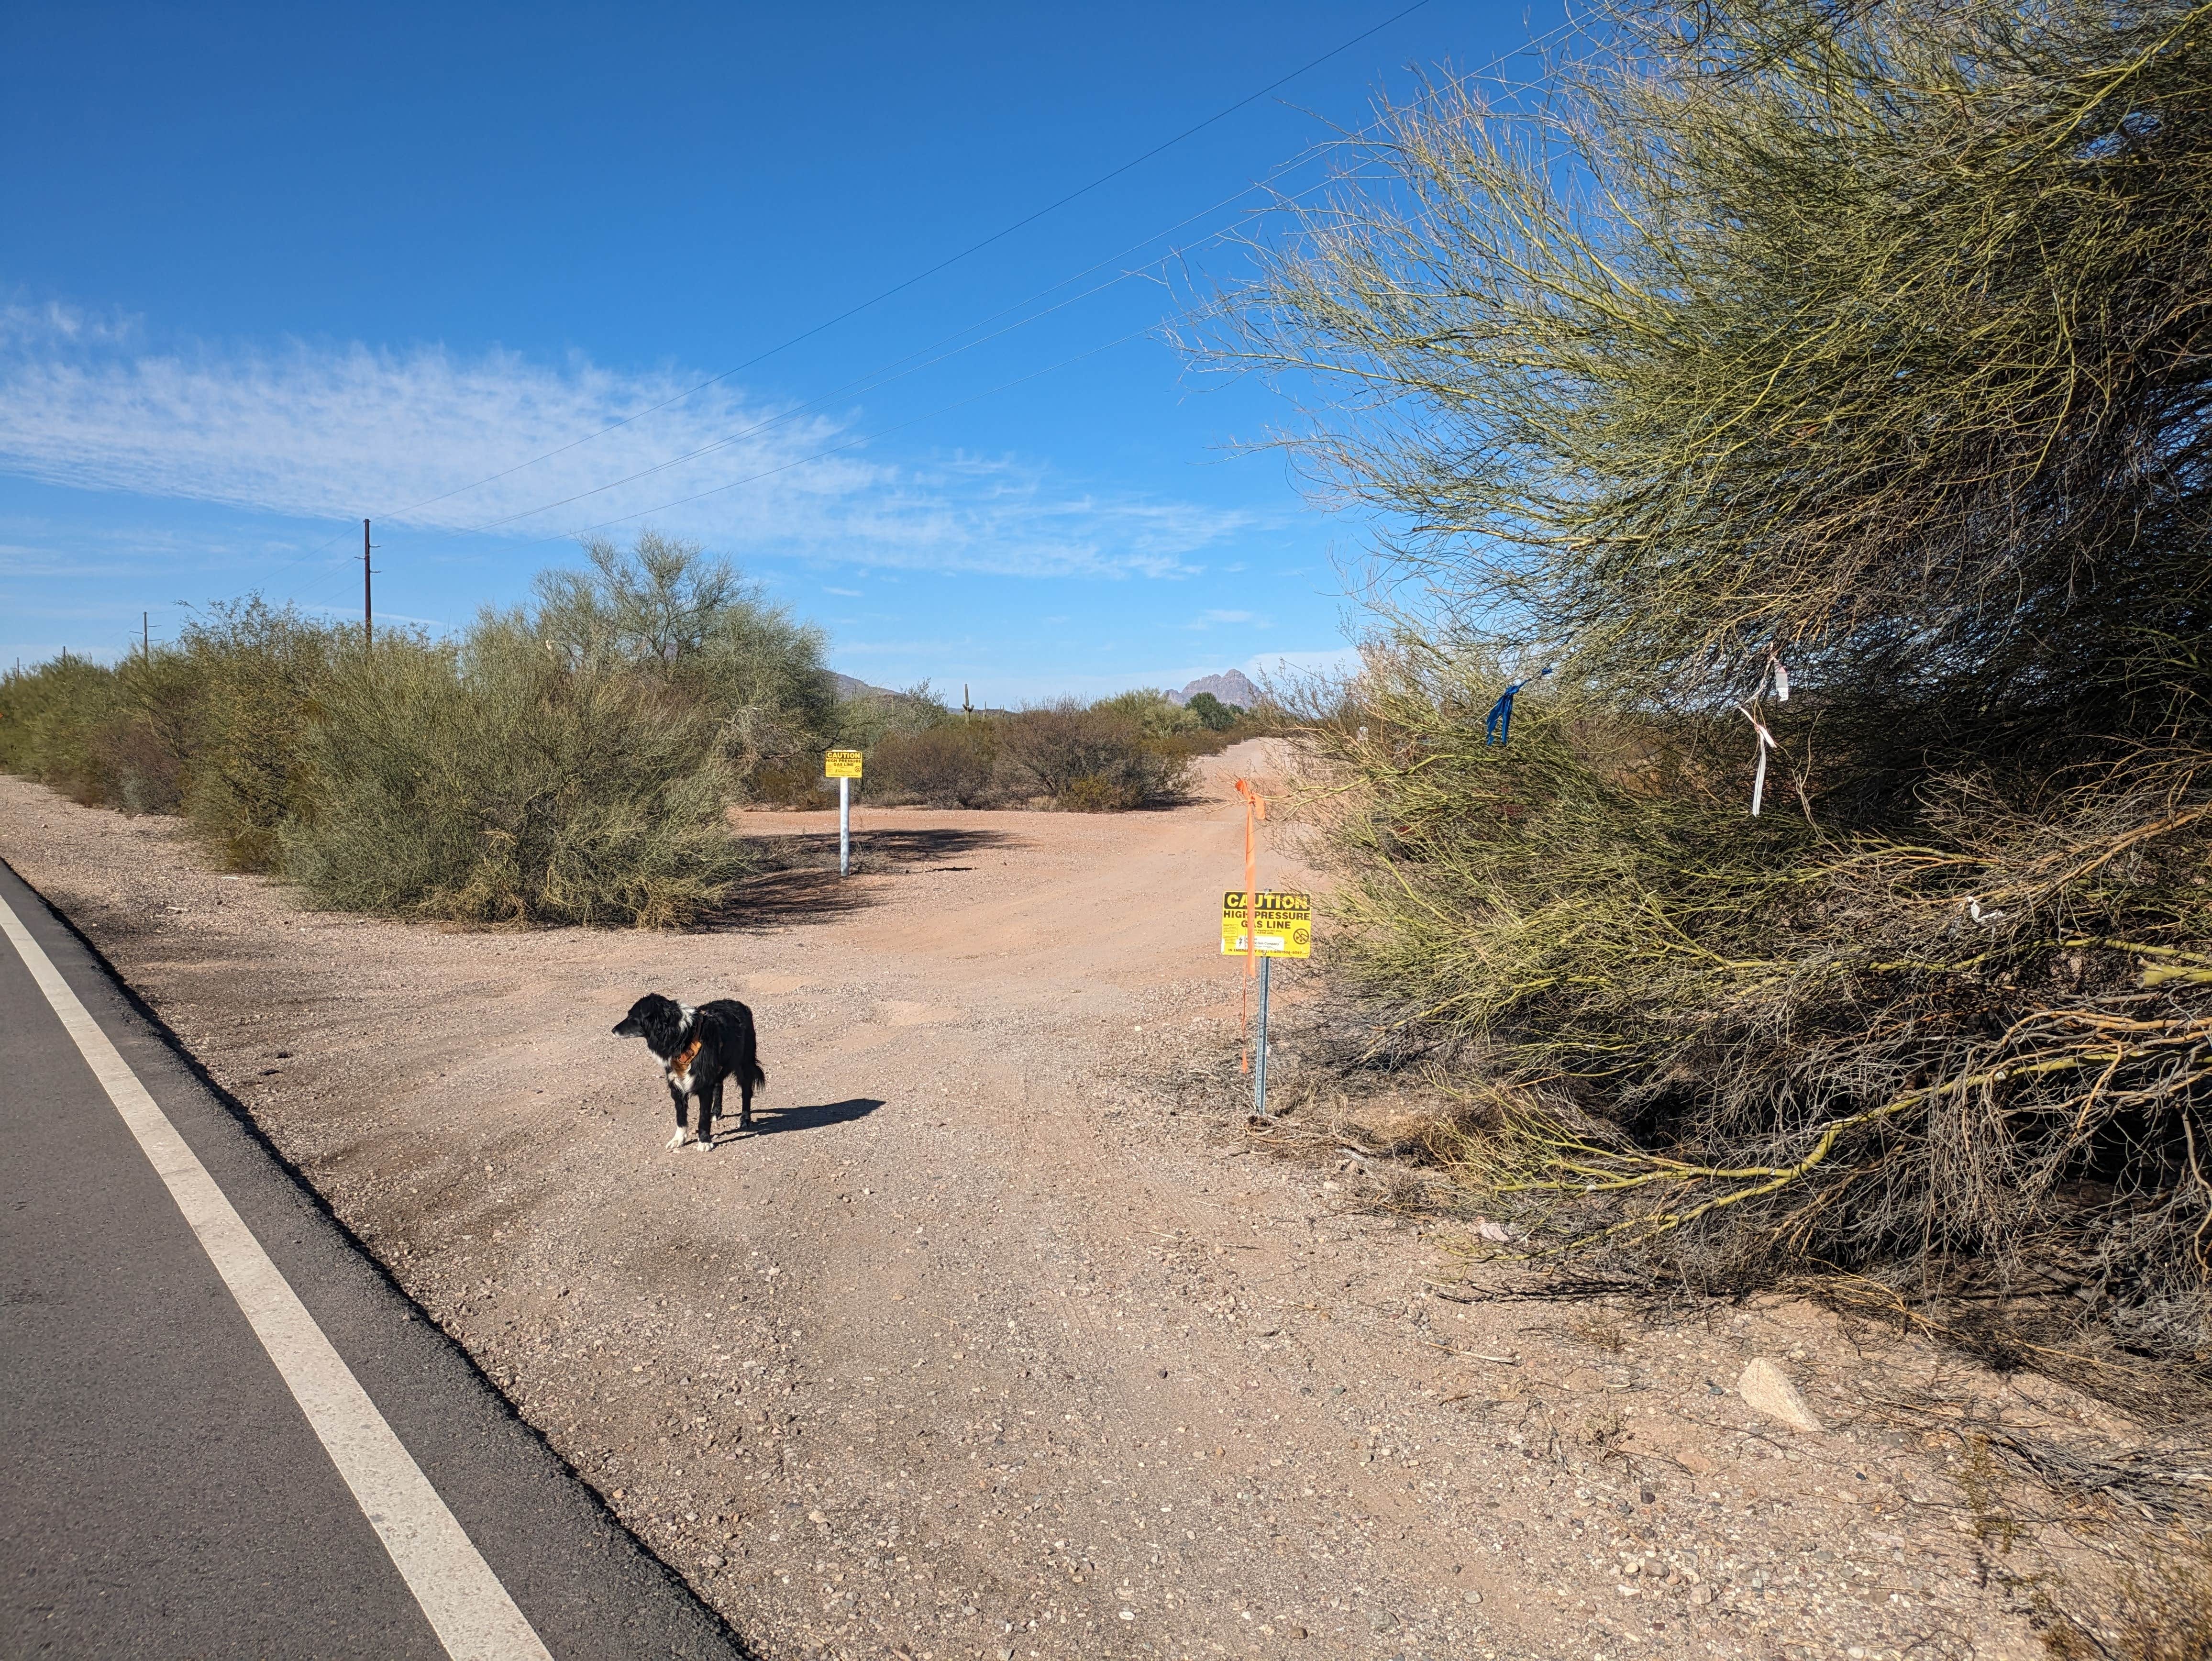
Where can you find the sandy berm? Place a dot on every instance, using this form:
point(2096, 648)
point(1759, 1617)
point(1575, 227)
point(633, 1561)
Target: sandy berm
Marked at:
point(990, 1343)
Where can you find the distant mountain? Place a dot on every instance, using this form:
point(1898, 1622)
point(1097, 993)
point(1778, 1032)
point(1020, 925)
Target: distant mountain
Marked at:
point(846, 687)
point(1233, 686)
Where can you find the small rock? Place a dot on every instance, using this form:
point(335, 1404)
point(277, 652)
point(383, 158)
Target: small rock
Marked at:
point(1473, 1596)
point(1701, 1595)
point(815, 1517)
point(1496, 1233)
point(711, 1560)
point(1766, 1388)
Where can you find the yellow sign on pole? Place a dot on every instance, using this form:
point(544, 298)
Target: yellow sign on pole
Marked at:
point(1282, 924)
point(842, 764)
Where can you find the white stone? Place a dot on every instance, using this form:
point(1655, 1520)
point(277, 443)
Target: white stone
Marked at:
point(1767, 1388)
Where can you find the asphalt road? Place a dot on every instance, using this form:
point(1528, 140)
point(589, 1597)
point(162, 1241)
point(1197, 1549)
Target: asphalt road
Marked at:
point(163, 1490)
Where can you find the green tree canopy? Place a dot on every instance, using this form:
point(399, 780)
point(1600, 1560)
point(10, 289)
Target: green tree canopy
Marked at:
point(663, 607)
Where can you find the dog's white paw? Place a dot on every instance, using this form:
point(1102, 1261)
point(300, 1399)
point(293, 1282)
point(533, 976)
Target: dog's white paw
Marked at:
point(705, 1144)
point(677, 1140)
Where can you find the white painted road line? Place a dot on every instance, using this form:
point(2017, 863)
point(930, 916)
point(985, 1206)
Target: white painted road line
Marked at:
point(463, 1599)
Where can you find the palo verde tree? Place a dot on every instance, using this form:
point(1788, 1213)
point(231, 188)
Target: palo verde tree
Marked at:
point(663, 609)
point(1870, 342)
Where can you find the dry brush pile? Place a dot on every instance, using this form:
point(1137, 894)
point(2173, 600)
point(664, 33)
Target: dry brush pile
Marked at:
point(1873, 344)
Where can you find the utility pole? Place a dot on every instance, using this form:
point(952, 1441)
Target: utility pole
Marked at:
point(145, 637)
point(367, 612)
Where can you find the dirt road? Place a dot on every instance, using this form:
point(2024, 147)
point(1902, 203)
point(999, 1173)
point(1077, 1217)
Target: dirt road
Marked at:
point(988, 1344)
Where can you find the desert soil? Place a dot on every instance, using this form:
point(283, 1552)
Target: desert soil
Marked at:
point(1003, 1336)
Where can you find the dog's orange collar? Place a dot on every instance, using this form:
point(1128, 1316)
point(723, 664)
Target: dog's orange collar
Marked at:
point(682, 1060)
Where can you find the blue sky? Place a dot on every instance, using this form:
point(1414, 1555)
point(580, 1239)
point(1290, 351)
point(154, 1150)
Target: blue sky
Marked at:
point(264, 271)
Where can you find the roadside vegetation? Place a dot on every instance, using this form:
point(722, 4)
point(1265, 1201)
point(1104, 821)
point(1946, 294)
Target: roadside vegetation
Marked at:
point(1867, 345)
point(572, 760)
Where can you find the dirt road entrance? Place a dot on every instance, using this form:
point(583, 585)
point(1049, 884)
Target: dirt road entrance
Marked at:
point(981, 1346)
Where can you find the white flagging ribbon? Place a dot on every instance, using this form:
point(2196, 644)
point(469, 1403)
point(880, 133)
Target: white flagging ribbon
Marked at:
point(1765, 744)
point(1781, 679)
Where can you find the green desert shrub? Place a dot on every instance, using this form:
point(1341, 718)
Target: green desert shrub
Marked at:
point(497, 782)
point(244, 690)
point(868, 716)
point(145, 745)
point(54, 725)
point(1154, 714)
point(951, 764)
point(213, 726)
point(572, 762)
point(1115, 754)
point(663, 612)
point(1212, 714)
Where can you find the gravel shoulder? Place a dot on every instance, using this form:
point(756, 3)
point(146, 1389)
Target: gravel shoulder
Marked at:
point(990, 1344)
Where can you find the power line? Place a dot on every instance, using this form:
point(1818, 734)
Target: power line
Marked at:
point(301, 559)
point(899, 288)
point(882, 374)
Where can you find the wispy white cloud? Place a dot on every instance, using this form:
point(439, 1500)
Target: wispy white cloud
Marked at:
point(341, 432)
point(23, 324)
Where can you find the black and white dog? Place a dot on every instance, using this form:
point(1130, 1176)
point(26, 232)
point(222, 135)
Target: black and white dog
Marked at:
point(698, 1048)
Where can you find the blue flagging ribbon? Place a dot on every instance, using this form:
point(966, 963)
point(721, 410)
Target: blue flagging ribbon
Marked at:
point(1499, 726)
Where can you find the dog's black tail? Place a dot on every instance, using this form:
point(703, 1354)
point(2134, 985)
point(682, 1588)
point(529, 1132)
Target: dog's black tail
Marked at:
point(759, 1077)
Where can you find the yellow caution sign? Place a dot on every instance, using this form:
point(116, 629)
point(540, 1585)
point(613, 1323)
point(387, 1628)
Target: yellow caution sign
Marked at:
point(1282, 924)
point(842, 764)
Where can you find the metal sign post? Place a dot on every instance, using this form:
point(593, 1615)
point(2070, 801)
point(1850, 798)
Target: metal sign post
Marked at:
point(1260, 1046)
point(844, 766)
point(1281, 926)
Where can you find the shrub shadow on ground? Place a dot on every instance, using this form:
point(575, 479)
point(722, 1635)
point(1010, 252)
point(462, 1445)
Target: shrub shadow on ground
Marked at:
point(803, 895)
point(880, 850)
point(804, 886)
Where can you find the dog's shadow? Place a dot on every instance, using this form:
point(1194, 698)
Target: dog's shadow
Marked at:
point(766, 1121)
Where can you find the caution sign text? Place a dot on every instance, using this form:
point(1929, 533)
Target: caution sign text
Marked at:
point(842, 764)
point(1282, 924)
